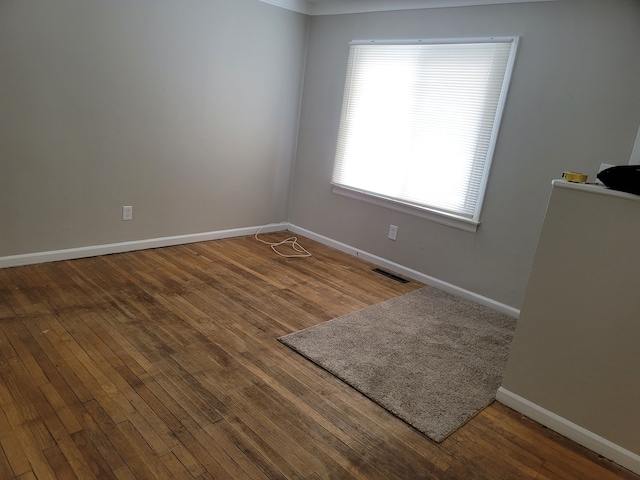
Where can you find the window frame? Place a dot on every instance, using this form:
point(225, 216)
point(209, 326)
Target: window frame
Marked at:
point(434, 214)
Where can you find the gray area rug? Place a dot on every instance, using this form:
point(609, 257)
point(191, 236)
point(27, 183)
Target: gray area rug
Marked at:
point(431, 358)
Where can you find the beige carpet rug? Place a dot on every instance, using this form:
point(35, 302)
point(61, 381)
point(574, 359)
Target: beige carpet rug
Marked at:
point(430, 358)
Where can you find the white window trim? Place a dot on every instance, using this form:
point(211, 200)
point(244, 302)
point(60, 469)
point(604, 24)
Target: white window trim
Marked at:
point(449, 219)
point(435, 41)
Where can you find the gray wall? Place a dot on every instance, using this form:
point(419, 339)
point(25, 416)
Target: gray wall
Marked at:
point(574, 103)
point(189, 112)
point(186, 110)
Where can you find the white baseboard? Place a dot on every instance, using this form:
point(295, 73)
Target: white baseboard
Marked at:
point(408, 272)
point(95, 250)
point(564, 427)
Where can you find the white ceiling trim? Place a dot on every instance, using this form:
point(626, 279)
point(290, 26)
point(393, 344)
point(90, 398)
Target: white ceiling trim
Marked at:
point(337, 7)
point(300, 6)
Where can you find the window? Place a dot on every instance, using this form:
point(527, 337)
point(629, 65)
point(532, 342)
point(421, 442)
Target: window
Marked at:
point(419, 123)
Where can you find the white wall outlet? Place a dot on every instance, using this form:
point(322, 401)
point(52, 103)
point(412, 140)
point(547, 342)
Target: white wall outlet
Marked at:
point(127, 212)
point(393, 232)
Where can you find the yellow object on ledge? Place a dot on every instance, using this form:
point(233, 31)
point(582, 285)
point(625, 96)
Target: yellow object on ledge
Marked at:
point(575, 177)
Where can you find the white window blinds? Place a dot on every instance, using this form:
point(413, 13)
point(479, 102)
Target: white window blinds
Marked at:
point(419, 122)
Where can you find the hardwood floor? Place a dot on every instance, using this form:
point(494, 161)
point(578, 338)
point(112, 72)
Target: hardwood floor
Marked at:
point(164, 364)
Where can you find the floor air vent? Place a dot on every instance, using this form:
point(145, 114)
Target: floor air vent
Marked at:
point(390, 275)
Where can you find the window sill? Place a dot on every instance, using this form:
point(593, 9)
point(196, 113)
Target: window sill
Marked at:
point(449, 220)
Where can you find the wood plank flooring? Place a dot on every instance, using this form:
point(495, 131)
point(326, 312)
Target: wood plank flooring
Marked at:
point(164, 364)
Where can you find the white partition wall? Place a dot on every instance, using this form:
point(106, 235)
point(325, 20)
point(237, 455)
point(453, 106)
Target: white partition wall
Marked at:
point(574, 361)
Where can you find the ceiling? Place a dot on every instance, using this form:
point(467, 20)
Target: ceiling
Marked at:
point(333, 7)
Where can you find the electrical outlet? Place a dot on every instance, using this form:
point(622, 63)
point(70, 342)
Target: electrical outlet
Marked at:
point(127, 212)
point(393, 232)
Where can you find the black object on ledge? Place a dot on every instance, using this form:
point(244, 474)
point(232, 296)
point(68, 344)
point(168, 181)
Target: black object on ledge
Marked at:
point(624, 178)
